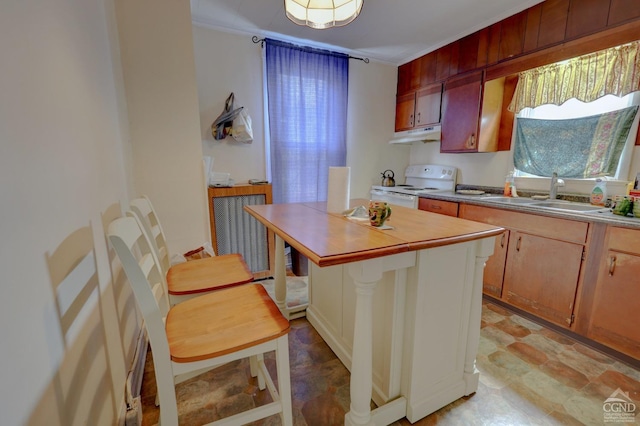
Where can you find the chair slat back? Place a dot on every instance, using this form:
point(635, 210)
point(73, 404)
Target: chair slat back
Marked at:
point(140, 265)
point(143, 208)
point(142, 269)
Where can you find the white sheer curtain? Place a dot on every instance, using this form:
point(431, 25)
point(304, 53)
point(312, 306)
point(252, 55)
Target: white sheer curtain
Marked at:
point(307, 108)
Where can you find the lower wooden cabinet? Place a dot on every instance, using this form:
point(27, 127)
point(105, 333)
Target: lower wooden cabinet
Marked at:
point(538, 263)
point(536, 266)
point(541, 276)
point(438, 206)
point(615, 315)
point(494, 268)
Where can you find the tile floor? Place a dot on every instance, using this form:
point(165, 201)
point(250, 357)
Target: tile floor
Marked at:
point(529, 376)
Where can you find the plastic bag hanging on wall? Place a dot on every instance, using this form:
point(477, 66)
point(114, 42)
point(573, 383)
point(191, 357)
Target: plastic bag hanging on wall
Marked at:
point(222, 125)
point(241, 130)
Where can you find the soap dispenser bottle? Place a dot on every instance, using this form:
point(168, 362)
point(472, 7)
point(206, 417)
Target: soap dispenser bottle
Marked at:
point(508, 185)
point(599, 193)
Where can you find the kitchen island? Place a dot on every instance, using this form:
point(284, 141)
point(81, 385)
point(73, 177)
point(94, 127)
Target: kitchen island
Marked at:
point(411, 345)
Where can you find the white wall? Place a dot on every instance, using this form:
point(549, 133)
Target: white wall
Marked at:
point(162, 101)
point(61, 167)
point(490, 169)
point(228, 63)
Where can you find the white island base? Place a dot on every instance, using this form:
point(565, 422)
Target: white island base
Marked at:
point(423, 309)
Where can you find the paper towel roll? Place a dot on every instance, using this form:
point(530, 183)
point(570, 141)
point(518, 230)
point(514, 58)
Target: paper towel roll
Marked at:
point(338, 192)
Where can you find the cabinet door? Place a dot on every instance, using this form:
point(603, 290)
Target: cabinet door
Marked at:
point(428, 102)
point(512, 35)
point(408, 77)
point(460, 113)
point(468, 52)
point(541, 276)
point(623, 10)
point(405, 105)
point(494, 268)
point(586, 16)
point(532, 28)
point(428, 66)
point(615, 315)
point(553, 22)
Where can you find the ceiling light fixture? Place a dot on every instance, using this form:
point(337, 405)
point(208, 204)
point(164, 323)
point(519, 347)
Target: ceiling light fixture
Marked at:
point(321, 14)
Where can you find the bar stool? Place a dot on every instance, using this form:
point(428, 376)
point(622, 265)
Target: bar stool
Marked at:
point(193, 278)
point(204, 332)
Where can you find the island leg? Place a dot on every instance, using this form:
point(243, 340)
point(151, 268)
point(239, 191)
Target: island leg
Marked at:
point(365, 275)
point(471, 373)
point(280, 277)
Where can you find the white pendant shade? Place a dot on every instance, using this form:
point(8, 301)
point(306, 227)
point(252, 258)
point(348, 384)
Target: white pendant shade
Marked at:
point(322, 14)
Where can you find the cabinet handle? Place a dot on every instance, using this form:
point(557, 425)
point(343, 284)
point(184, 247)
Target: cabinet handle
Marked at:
point(612, 265)
point(502, 240)
point(411, 120)
point(419, 118)
point(471, 141)
point(435, 207)
point(518, 243)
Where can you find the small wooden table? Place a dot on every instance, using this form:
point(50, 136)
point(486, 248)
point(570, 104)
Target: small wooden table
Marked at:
point(331, 239)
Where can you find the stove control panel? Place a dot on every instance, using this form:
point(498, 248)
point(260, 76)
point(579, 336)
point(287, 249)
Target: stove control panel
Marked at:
point(431, 171)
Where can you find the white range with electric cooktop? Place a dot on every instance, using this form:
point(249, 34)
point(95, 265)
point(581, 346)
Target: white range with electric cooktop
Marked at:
point(419, 179)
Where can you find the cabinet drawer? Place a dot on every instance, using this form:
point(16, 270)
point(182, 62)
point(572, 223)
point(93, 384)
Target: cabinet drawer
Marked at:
point(437, 206)
point(550, 227)
point(625, 240)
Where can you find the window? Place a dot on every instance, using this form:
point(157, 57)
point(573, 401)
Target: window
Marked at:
point(307, 116)
point(577, 139)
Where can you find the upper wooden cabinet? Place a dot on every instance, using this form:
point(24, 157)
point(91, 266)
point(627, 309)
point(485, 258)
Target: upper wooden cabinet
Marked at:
point(586, 17)
point(428, 102)
point(460, 113)
point(408, 77)
point(405, 110)
point(468, 49)
point(551, 31)
point(419, 109)
point(622, 11)
point(512, 35)
point(428, 66)
point(553, 22)
point(474, 114)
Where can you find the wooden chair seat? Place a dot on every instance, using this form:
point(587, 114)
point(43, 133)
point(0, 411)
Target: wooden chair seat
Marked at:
point(223, 322)
point(211, 273)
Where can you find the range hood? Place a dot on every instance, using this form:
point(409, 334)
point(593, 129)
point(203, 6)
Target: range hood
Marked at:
point(427, 134)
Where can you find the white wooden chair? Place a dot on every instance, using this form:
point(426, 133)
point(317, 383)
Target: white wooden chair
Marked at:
point(204, 332)
point(193, 278)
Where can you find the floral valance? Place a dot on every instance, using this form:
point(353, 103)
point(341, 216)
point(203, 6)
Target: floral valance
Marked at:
point(614, 71)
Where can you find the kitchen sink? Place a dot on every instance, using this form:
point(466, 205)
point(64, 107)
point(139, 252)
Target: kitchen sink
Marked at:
point(511, 200)
point(567, 206)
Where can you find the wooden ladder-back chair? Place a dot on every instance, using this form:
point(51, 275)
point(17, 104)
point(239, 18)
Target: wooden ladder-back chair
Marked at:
point(193, 278)
point(204, 332)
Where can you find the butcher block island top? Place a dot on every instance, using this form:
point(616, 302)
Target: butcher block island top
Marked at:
point(412, 292)
point(332, 239)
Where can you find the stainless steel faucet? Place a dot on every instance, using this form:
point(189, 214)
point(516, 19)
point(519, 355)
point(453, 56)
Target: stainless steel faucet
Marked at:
point(555, 183)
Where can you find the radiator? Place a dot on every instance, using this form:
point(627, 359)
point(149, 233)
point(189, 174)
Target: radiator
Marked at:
point(134, 382)
point(237, 231)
